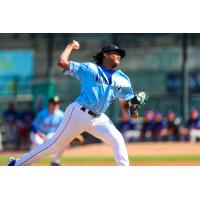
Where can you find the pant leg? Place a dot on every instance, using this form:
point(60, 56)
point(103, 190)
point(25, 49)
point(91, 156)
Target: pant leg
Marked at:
point(105, 130)
point(56, 157)
point(72, 125)
point(37, 140)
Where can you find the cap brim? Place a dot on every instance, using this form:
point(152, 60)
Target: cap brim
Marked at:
point(54, 101)
point(121, 52)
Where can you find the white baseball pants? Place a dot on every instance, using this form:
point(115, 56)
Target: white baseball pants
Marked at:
point(37, 140)
point(74, 123)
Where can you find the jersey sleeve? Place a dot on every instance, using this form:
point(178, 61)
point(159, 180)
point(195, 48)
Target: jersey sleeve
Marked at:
point(76, 69)
point(126, 92)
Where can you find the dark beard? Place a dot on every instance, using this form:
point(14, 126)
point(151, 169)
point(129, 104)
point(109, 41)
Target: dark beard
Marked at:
point(114, 67)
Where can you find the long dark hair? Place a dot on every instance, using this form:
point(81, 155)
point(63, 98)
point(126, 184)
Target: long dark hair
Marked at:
point(98, 58)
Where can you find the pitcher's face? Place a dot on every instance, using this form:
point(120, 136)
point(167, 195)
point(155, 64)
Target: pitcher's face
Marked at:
point(112, 59)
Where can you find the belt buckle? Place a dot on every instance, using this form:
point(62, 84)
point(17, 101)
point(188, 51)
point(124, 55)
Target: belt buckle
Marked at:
point(94, 114)
point(91, 113)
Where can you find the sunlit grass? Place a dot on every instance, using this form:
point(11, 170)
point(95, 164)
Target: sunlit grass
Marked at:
point(173, 158)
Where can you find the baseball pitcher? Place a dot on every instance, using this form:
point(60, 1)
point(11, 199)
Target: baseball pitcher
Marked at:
point(101, 83)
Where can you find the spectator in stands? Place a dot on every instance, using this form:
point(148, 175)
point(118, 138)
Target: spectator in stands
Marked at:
point(172, 126)
point(147, 126)
point(159, 128)
point(10, 123)
point(127, 127)
point(25, 122)
point(192, 130)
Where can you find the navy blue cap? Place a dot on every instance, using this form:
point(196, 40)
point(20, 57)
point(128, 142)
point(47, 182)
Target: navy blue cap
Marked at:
point(54, 99)
point(111, 47)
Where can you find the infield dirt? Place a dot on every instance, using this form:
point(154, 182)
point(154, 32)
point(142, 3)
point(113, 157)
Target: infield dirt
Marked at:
point(134, 149)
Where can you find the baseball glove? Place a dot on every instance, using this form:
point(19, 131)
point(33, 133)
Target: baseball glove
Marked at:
point(135, 103)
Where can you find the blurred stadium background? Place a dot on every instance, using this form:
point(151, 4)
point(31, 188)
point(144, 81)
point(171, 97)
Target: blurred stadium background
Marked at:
point(154, 64)
point(166, 66)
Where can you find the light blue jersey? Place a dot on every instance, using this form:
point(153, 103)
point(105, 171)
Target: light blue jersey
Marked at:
point(47, 123)
point(99, 87)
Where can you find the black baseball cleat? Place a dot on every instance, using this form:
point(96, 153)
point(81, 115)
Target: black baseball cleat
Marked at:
point(11, 161)
point(55, 164)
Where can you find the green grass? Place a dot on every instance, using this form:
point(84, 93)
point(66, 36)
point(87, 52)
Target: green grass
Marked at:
point(174, 158)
